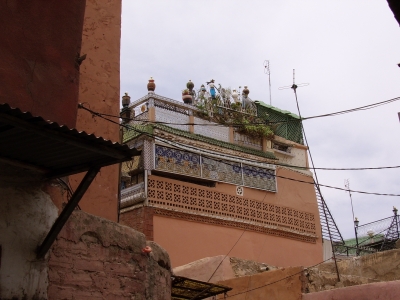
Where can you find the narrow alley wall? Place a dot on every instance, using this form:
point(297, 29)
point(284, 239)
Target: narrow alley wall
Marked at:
point(99, 91)
point(26, 216)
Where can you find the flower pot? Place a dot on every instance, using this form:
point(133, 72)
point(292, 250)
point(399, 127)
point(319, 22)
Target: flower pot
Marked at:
point(187, 99)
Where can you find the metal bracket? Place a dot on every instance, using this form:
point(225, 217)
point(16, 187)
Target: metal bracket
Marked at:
point(67, 211)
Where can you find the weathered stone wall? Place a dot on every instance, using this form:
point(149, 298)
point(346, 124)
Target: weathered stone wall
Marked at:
point(93, 258)
point(26, 215)
point(381, 266)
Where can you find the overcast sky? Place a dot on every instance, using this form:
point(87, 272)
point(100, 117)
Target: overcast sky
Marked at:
point(347, 50)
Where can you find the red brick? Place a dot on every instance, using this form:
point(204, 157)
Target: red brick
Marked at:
point(140, 276)
point(129, 286)
point(97, 251)
point(60, 264)
point(88, 265)
point(119, 269)
point(59, 293)
point(111, 296)
point(66, 244)
point(53, 276)
point(104, 282)
point(84, 295)
point(78, 278)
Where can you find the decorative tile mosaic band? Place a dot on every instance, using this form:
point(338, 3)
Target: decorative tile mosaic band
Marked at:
point(194, 165)
point(204, 201)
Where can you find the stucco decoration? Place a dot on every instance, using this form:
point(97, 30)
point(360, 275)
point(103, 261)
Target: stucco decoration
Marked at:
point(206, 202)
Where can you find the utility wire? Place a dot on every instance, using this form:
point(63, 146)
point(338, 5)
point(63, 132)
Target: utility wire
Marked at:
point(365, 107)
point(271, 163)
point(175, 145)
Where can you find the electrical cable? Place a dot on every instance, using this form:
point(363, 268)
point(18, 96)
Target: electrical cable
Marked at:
point(365, 107)
point(174, 144)
point(277, 164)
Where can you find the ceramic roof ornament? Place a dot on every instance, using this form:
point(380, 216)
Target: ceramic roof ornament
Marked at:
point(246, 91)
point(190, 85)
point(151, 86)
point(126, 100)
point(235, 96)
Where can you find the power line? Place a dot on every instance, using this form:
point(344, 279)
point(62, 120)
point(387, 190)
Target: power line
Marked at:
point(277, 164)
point(365, 107)
point(175, 145)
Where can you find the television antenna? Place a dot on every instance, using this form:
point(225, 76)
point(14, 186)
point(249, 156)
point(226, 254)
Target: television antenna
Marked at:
point(267, 71)
point(347, 186)
point(294, 86)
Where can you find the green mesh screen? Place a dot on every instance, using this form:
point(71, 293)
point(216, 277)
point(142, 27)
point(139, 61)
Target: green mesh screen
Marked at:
point(290, 128)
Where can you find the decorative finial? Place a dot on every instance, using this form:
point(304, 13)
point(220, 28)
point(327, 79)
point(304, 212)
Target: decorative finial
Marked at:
point(246, 91)
point(190, 85)
point(126, 100)
point(235, 96)
point(151, 86)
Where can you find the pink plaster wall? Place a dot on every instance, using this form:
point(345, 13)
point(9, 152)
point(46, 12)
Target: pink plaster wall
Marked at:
point(189, 241)
point(373, 291)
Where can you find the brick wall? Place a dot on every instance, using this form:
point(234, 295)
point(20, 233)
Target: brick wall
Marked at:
point(140, 219)
point(94, 258)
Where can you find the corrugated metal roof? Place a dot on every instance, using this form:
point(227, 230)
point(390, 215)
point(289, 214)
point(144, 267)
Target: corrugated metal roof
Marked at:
point(52, 149)
point(185, 288)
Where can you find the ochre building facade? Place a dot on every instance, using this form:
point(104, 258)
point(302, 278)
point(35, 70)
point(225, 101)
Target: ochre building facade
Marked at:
point(204, 188)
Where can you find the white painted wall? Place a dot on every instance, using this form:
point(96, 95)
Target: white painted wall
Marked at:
point(26, 215)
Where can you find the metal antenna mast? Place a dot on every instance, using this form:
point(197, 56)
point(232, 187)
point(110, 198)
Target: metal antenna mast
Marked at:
point(294, 88)
point(347, 186)
point(267, 71)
